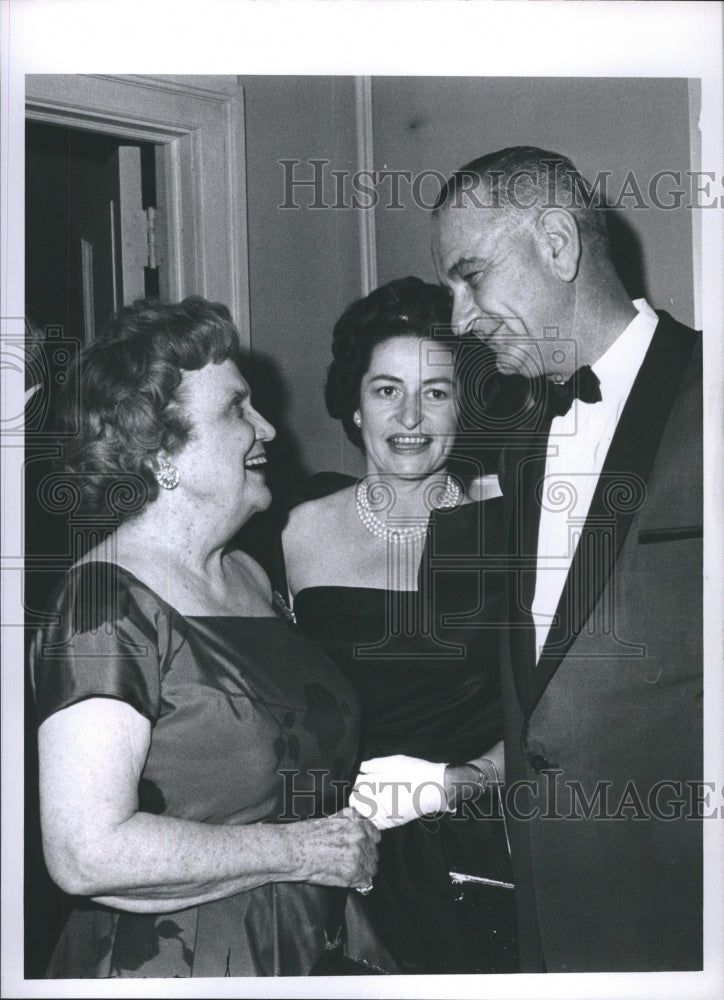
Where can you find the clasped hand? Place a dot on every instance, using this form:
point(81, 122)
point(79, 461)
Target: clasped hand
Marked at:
point(340, 850)
point(392, 791)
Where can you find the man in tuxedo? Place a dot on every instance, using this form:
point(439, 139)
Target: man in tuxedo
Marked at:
point(602, 657)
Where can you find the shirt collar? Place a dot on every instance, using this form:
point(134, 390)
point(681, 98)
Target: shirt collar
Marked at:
point(619, 366)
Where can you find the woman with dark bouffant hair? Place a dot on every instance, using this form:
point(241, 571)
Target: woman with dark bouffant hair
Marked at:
point(183, 725)
point(398, 577)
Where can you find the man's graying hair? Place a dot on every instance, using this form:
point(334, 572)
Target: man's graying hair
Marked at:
point(523, 179)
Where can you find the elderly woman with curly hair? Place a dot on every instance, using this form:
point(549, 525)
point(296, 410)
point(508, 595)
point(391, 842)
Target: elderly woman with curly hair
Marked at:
point(183, 725)
point(399, 577)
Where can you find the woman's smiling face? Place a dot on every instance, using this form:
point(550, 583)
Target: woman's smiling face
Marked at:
point(222, 465)
point(407, 407)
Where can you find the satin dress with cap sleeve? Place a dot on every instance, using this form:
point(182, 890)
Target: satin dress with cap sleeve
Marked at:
point(250, 723)
point(425, 666)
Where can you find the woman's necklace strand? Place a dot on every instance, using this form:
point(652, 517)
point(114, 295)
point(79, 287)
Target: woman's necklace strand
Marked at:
point(450, 498)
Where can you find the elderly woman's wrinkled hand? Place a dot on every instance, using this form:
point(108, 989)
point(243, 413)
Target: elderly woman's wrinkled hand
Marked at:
point(392, 791)
point(340, 850)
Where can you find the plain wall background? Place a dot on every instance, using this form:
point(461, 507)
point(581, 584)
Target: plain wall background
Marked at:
point(305, 263)
point(304, 266)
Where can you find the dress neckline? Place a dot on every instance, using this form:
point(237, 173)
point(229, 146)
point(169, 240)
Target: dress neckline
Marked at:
point(452, 511)
point(363, 590)
point(117, 567)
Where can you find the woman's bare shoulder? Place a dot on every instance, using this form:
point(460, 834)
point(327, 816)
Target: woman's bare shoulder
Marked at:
point(317, 516)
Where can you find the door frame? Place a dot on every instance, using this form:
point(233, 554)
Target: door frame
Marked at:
point(197, 124)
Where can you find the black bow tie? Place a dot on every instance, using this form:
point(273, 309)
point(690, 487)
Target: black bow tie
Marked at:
point(583, 384)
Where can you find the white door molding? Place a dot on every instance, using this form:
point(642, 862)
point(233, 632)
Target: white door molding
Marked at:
point(365, 164)
point(197, 123)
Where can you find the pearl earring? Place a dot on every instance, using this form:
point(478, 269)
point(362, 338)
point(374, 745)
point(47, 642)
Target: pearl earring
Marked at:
point(357, 419)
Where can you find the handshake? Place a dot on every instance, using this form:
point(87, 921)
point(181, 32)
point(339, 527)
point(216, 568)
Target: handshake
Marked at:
point(392, 791)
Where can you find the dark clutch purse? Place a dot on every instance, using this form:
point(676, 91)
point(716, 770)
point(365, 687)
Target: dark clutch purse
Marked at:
point(483, 893)
point(489, 907)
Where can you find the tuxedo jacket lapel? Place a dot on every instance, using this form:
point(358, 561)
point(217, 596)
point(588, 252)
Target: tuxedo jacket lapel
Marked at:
point(620, 492)
point(522, 528)
point(523, 466)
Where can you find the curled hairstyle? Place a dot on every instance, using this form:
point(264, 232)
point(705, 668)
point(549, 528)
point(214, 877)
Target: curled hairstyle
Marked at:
point(406, 307)
point(522, 180)
point(124, 404)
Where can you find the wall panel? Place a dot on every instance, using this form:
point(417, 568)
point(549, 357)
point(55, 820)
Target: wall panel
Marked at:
point(619, 125)
point(304, 265)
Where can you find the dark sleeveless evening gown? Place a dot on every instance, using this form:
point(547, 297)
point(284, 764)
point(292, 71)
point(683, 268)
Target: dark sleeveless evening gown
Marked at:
point(425, 666)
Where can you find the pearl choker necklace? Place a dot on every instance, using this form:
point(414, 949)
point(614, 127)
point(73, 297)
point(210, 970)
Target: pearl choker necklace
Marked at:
point(451, 496)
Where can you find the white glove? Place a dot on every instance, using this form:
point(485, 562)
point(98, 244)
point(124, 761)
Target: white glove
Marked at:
point(392, 791)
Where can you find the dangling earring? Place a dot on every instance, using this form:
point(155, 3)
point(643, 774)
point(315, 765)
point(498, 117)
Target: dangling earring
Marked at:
point(166, 475)
point(357, 420)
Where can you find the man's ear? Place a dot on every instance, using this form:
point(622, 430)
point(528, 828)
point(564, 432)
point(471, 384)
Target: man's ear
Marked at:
point(559, 242)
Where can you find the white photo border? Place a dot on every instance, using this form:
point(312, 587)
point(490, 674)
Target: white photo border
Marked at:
point(359, 37)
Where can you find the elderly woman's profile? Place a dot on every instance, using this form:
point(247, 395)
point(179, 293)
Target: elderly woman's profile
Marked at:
point(175, 705)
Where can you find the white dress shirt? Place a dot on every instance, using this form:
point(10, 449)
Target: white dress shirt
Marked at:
point(577, 447)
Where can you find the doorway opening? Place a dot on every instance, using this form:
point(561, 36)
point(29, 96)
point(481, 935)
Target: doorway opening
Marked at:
point(87, 202)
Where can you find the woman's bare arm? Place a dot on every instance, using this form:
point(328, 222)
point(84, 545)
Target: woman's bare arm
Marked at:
point(459, 778)
point(98, 844)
